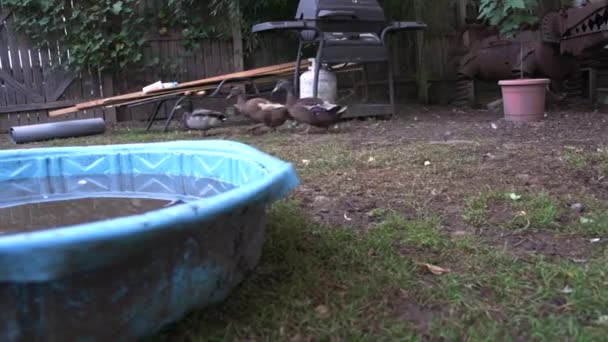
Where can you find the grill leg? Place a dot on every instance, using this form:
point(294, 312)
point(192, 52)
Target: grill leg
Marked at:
point(315, 91)
point(154, 115)
point(391, 84)
point(365, 80)
point(296, 75)
point(177, 103)
point(255, 87)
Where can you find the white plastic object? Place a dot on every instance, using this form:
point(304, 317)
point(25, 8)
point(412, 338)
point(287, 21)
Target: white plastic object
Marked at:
point(158, 85)
point(328, 84)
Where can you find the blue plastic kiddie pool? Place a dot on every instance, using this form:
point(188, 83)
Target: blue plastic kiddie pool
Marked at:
point(126, 277)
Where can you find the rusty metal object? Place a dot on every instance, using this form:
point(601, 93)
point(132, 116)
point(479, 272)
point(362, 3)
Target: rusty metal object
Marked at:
point(584, 28)
point(495, 59)
point(551, 51)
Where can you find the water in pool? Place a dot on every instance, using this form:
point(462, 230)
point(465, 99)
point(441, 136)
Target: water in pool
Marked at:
point(39, 204)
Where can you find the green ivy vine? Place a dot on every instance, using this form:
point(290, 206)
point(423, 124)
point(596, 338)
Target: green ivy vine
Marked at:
point(509, 16)
point(110, 35)
point(103, 34)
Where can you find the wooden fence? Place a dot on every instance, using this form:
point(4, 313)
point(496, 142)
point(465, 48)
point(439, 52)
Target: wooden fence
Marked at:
point(31, 82)
point(214, 57)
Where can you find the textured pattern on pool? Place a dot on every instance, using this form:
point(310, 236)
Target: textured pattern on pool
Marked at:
point(125, 278)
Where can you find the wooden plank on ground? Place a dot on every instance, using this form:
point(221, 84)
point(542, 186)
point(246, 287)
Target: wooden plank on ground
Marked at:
point(242, 74)
point(205, 84)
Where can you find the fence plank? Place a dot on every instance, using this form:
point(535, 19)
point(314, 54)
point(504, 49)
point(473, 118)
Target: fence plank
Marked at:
point(24, 91)
point(13, 53)
point(24, 47)
point(37, 74)
point(33, 84)
point(5, 61)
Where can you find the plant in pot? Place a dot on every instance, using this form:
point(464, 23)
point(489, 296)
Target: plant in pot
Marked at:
point(523, 97)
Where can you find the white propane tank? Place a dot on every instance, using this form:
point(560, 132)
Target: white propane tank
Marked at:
point(328, 84)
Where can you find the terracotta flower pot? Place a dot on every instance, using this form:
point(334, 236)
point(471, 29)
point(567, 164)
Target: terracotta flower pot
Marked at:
point(524, 99)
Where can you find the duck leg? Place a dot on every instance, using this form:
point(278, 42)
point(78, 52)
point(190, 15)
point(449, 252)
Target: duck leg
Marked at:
point(251, 129)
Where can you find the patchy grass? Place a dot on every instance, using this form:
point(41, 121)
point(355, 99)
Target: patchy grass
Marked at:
point(575, 158)
point(540, 211)
point(322, 283)
point(410, 203)
point(594, 224)
point(475, 211)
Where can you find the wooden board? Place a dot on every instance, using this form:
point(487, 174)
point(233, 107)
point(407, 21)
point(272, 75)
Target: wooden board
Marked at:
point(199, 85)
point(279, 68)
point(207, 81)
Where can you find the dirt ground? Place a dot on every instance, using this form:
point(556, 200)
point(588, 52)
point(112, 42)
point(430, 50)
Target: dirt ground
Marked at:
point(430, 160)
point(517, 212)
point(466, 153)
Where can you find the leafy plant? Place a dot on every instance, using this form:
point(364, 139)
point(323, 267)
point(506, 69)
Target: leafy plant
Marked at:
point(110, 35)
point(104, 34)
point(509, 16)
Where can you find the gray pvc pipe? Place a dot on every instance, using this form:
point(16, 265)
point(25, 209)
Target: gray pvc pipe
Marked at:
point(57, 130)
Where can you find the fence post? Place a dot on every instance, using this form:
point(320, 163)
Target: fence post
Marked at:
point(108, 90)
point(237, 40)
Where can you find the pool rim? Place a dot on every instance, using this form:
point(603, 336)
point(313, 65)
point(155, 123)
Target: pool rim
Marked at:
point(52, 244)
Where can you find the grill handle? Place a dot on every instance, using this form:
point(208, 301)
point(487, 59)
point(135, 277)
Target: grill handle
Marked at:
point(333, 15)
point(402, 25)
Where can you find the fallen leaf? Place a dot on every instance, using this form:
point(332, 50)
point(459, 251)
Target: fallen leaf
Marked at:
point(489, 156)
point(436, 270)
point(347, 218)
point(322, 310)
point(602, 320)
point(494, 126)
point(585, 220)
point(296, 338)
point(427, 163)
point(514, 196)
point(302, 303)
point(596, 240)
point(306, 162)
point(371, 160)
point(567, 290)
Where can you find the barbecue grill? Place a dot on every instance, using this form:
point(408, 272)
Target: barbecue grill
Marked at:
point(345, 31)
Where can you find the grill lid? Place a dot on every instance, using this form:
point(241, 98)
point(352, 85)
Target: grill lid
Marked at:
point(359, 10)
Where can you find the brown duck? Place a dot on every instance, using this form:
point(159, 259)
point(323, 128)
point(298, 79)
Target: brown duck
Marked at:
point(265, 112)
point(312, 111)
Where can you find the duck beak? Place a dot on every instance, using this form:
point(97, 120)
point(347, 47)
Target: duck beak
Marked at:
point(275, 89)
point(229, 96)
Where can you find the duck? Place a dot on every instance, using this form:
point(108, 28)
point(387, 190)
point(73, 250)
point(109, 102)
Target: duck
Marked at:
point(263, 111)
point(202, 119)
point(312, 111)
